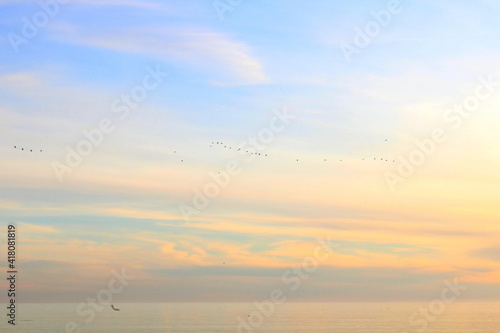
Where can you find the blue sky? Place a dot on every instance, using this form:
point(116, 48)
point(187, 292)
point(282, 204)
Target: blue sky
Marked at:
point(226, 79)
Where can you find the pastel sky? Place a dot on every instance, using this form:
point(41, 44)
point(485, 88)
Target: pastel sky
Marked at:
point(325, 174)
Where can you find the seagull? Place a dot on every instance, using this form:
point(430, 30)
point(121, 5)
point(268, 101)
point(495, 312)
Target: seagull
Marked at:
point(113, 307)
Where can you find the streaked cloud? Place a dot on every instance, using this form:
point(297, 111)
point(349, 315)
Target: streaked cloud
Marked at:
point(121, 3)
point(230, 62)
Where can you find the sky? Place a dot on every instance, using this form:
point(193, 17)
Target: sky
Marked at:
point(376, 123)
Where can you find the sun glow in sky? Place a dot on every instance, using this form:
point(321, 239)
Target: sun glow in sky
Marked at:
point(357, 160)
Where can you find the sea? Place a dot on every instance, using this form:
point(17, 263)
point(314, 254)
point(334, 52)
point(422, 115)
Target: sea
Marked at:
point(353, 317)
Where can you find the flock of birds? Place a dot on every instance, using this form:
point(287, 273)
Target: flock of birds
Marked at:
point(31, 150)
point(228, 147)
point(219, 143)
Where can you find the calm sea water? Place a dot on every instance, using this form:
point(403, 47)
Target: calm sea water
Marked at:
point(228, 317)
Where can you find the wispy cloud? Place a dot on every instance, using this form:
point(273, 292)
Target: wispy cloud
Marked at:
point(491, 253)
point(231, 61)
point(34, 229)
point(19, 80)
point(128, 3)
